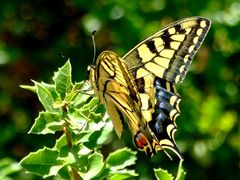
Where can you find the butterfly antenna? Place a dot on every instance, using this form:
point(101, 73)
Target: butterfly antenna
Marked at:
point(94, 46)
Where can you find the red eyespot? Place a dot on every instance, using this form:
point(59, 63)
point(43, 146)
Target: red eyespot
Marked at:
point(140, 140)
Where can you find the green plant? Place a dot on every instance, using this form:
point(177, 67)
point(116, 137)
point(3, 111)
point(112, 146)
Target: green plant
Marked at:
point(84, 126)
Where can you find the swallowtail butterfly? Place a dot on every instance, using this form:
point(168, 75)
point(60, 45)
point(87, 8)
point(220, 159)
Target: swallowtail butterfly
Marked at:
point(139, 88)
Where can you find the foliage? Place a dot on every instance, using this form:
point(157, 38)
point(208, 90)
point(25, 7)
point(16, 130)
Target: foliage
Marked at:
point(33, 32)
point(7, 167)
point(76, 153)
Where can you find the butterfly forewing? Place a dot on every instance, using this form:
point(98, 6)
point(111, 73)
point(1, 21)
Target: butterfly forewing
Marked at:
point(115, 87)
point(168, 53)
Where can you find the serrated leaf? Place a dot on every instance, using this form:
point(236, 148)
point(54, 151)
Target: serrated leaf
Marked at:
point(94, 102)
point(47, 122)
point(124, 174)
point(79, 94)
point(76, 120)
point(100, 133)
point(95, 166)
point(63, 79)
point(80, 100)
point(67, 156)
point(120, 159)
point(181, 173)
point(43, 162)
point(106, 129)
point(60, 142)
point(52, 89)
point(83, 136)
point(96, 117)
point(162, 174)
point(45, 97)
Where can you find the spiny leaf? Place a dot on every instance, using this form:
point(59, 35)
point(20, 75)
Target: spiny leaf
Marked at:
point(63, 79)
point(43, 162)
point(162, 174)
point(47, 122)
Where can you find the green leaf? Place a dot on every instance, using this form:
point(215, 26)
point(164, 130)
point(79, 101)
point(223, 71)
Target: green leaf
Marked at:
point(88, 110)
point(95, 166)
point(104, 132)
point(162, 174)
point(52, 89)
point(47, 122)
point(63, 79)
point(83, 136)
point(45, 97)
point(76, 120)
point(181, 173)
point(80, 100)
point(43, 162)
point(77, 96)
point(7, 167)
point(100, 133)
point(61, 142)
point(92, 104)
point(124, 174)
point(83, 150)
point(120, 159)
point(64, 173)
point(64, 151)
point(30, 88)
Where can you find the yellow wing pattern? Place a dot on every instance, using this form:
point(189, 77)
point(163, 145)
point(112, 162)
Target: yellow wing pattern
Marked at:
point(115, 87)
point(139, 88)
point(168, 53)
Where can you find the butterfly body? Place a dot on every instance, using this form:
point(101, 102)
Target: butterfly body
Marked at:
point(139, 88)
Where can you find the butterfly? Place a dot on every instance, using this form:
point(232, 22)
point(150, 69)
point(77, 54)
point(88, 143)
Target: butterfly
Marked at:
point(139, 88)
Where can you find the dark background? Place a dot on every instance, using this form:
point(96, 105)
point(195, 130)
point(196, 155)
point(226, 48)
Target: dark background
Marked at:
point(32, 33)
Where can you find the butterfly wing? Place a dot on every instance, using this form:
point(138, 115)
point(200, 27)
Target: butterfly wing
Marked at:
point(115, 87)
point(168, 53)
point(140, 88)
point(156, 64)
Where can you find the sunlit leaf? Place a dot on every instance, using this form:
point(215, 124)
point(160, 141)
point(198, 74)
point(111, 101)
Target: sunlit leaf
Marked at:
point(45, 97)
point(120, 159)
point(162, 174)
point(95, 166)
point(47, 122)
point(124, 174)
point(44, 162)
point(63, 79)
